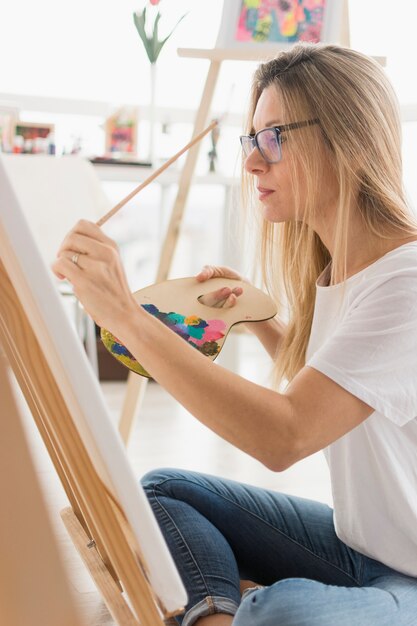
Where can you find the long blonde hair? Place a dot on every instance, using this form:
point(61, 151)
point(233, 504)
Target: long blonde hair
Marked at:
point(360, 129)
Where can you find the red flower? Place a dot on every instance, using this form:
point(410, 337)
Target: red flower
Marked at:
point(154, 2)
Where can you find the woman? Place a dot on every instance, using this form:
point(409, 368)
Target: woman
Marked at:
point(339, 241)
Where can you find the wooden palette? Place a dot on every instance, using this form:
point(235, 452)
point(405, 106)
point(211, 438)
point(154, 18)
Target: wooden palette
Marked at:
point(176, 304)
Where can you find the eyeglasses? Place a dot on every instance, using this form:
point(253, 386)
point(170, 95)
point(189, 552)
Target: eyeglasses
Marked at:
point(269, 140)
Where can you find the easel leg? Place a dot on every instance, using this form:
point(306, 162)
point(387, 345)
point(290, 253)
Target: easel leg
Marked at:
point(135, 390)
point(109, 590)
point(345, 25)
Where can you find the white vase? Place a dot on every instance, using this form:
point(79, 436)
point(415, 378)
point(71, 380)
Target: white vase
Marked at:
point(152, 119)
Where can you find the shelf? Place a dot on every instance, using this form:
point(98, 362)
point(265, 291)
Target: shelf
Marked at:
point(93, 108)
point(134, 173)
point(263, 52)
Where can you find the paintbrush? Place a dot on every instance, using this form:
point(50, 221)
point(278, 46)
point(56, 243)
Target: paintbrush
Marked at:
point(157, 172)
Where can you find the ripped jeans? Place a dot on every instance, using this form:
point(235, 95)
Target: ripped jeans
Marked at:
point(220, 531)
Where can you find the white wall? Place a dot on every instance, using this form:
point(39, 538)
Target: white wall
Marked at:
point(91, 50)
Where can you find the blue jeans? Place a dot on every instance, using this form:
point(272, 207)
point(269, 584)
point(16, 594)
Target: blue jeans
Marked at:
point(220, 531)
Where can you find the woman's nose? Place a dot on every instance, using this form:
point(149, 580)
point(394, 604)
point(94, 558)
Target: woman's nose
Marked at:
point(254, 162)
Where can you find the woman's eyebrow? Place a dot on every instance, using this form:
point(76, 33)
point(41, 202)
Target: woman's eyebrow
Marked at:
point(267, 125)
point(273, 123)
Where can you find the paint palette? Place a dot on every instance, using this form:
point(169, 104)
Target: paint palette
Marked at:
point(176, 304)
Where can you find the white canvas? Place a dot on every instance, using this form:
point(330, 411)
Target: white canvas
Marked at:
point(32, 280)
point(53, 194)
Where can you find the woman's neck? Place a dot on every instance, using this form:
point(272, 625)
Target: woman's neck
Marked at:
point(362, 248)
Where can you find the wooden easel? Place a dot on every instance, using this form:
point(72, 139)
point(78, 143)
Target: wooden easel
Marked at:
point(96, 520)
point(136, 386)
point(33, 590)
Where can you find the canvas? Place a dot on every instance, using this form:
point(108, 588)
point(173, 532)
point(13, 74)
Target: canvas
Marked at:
point(38, 296)
point(267, 24)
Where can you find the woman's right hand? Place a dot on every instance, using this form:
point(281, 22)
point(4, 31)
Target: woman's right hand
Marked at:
point(225, 297)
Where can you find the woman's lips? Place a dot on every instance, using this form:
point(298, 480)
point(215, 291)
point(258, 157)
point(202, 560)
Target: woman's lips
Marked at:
point(264, 192)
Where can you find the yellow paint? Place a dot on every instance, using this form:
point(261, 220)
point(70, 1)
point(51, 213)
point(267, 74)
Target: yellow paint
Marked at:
point(289, 25)
point(252, 4)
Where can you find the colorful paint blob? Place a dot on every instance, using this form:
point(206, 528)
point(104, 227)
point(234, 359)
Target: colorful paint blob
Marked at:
point(285, 21)
point(201, 334)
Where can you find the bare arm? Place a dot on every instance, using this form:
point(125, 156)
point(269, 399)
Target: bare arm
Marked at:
point(239, 411)
point(275, 428)
point(278, 429)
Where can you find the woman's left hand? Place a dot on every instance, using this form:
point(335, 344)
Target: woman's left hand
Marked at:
point(91, 262)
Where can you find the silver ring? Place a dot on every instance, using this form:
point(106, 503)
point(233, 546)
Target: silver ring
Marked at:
point(74, 258)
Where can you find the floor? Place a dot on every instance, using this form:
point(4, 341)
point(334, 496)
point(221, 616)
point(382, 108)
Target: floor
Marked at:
point(166, 435)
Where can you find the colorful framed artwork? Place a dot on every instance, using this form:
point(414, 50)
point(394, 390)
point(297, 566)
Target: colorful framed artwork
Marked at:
point(8, 118)
point(278, 23)
point(32, 138)
point(121, 132)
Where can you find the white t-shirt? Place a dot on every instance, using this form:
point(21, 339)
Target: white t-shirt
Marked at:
point(364, 337)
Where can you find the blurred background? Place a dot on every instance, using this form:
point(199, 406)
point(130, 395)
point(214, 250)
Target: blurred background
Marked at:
point(76, 68)
point(72, 73)
point(73, 66)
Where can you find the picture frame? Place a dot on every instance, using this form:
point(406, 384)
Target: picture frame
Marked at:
point(266, 24)
point(121, 131)
point(8, 118)
point(32, 137)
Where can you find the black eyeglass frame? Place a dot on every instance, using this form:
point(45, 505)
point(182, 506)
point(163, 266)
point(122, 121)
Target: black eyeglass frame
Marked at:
point(278, 131)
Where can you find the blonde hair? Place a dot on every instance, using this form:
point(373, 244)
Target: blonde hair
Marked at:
point(359, 130)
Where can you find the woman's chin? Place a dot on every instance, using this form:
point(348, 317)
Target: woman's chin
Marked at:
point(274, 215)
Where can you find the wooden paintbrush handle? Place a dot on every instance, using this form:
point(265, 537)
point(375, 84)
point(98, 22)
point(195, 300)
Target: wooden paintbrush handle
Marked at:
point(156, 173)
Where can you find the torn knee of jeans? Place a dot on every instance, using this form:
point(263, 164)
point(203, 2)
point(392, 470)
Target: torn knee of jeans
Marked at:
point(250, 590)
